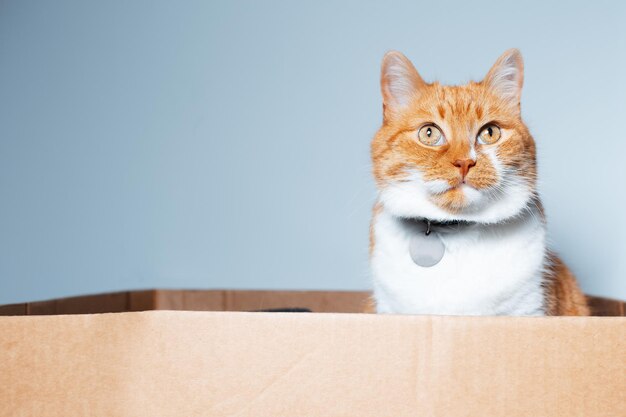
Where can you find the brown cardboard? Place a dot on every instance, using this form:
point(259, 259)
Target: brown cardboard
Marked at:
point(280, 364)
point(189, 300)
point(42, 307)
point(318, 301)
point(102, 303)
point(606, 307)
point(141, 300)
point(197, 300)
point(230, 300)
point(13, 310)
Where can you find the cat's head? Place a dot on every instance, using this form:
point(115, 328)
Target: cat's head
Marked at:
point(454, 152)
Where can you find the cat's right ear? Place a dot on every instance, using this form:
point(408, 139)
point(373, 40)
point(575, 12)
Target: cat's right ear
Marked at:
point(399, 81)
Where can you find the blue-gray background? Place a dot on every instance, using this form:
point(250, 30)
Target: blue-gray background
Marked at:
point(225, 144)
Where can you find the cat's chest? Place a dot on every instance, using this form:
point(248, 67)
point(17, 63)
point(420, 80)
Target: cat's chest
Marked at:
point(484, 270)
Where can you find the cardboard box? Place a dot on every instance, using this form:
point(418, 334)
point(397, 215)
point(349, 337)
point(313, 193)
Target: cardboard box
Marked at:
point(181, 363)
point(230, 300)
point(196, 300)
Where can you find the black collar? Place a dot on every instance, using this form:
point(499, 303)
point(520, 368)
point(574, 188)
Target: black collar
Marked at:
point(448, 225)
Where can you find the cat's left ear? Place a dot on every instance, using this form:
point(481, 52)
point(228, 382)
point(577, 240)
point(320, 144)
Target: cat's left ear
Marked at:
point(506, 77)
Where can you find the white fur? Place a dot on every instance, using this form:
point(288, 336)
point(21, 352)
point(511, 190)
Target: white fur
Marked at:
point(494, 267)
point(487, 270)
point(410, 198)
point(472, 154)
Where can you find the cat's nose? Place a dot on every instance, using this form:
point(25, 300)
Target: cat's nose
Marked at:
point(464, 165)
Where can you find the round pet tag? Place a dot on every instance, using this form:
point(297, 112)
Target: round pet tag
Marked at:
point(426, 250)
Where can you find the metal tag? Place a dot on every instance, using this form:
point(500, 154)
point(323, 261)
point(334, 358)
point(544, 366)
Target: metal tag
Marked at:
point(426, 249)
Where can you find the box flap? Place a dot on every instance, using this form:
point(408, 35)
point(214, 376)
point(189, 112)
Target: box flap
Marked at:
point(164, 363)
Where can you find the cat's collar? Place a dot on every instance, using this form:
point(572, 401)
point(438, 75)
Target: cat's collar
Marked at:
point(427, 226)
point(426, 247)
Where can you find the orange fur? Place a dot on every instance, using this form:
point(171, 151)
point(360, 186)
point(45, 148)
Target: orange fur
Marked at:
point(394, 148)
point(563, 296)
point(369, 306)
point(461, 111)
point(375, 211)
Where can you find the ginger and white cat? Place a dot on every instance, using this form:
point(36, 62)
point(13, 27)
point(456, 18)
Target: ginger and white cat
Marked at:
point(460, 158)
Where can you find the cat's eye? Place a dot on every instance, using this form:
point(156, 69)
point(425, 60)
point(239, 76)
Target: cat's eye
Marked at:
point(430, 135)
point(489, 134)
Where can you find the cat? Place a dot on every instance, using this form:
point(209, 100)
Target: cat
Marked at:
point(458, 227)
